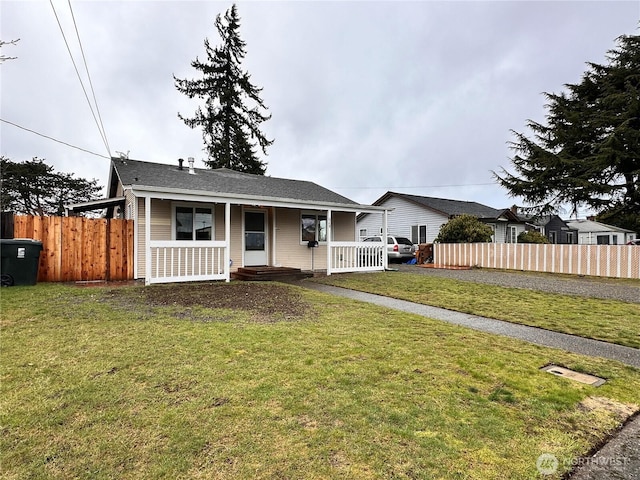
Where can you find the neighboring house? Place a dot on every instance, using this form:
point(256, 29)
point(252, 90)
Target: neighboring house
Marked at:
point(554, 228)
point(420, 218)
point(591, 232)
point(202, 224)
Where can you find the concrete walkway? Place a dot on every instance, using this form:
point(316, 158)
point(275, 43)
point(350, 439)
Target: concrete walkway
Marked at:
point(620, 456)
point(539, 336)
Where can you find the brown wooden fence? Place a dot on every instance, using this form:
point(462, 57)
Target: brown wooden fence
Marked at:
point(80, 249)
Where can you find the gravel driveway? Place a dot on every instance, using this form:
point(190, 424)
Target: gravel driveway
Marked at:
point(626, 291)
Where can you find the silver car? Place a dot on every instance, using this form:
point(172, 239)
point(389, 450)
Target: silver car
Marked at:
point(399, 249)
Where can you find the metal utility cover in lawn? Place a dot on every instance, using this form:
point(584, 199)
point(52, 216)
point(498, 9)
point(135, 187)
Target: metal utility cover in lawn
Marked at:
point(573, 375)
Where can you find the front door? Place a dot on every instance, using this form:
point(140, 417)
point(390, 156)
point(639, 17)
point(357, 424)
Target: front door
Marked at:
point(255, 248)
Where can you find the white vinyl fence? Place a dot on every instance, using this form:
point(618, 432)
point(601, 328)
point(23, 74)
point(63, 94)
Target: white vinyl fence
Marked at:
point(355, 257)
point(171, 261)
point(621, 261)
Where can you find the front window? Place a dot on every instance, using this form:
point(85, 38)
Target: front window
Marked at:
point(193, 223)
point(314, 228)
point(419, 234)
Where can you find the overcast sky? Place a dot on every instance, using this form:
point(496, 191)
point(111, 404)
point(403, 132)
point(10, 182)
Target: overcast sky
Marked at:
point(416, 97)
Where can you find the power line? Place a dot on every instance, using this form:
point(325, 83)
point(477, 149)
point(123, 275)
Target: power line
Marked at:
point(86, 96)
point(93, 92)
point(417, 186)
point(51, 138)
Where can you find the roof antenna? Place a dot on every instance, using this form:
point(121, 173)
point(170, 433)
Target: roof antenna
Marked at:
point(123, 156)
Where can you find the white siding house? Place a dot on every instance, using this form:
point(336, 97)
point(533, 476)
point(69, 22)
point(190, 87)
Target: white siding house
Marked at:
point(420, 218)
point(591, 232)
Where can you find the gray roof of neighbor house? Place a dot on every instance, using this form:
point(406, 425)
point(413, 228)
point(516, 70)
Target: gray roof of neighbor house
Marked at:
point(450, 207)
point(220, 181)
point(595, 227)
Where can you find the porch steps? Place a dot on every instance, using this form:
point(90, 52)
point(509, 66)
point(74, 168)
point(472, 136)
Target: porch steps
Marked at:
point(267, 274)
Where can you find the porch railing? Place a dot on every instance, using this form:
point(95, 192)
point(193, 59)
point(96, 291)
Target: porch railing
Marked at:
point(356, 257)
point(187, 261)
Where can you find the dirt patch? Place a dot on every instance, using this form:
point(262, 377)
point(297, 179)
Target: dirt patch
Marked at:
point(268, 302)
point(620, 411)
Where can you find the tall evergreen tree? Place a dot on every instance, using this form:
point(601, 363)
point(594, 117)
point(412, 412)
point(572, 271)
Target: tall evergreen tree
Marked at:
point(230, 129)
point(588, 153)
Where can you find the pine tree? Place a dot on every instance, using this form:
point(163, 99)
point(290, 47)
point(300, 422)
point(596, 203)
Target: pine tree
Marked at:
point(588, 152)
point(34, 188)
point(230, 129)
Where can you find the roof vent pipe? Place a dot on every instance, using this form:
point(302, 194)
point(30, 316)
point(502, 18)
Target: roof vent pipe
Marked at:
point(180, 161)
point(191, 169)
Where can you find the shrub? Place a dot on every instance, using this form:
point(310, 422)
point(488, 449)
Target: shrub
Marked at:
point(464, 229)
point(532, 236)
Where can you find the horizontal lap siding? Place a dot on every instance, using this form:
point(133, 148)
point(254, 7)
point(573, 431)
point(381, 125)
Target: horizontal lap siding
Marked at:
point(160, 227)
point(237, 241)
point(290, 252)
point(403, 216)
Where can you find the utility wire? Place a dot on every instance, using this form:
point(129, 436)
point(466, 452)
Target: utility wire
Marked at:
point(79, 77)
point(418, 186)
point(51, 138)
point(93, 92)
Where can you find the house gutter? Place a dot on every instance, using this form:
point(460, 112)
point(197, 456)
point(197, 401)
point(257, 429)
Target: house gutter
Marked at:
point(204, 196)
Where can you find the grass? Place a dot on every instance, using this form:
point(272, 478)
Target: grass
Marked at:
point(96, 385)
point(607, 320)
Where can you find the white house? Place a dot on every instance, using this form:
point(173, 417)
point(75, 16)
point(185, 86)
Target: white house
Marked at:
point(202, 224)
point(420, 218)
point(591, 232)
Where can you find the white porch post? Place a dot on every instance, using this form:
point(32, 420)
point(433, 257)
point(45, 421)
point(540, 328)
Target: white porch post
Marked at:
point(329, 228)
point(274, 258)
point(385, 257)
point(227, 239)
point(136, 242)
point(147, 240)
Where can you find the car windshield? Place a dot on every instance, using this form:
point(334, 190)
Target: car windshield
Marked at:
point(404, 241)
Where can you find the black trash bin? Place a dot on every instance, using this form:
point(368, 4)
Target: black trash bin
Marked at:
point(20, 259)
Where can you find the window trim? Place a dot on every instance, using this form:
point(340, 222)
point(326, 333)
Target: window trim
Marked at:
point(418, 226)
point(193, 207)
point(316, 214)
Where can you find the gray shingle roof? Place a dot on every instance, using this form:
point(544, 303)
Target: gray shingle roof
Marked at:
point(451, 207)
point(222, 181)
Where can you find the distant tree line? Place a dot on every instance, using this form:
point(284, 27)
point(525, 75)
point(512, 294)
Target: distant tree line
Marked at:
point(34, 188)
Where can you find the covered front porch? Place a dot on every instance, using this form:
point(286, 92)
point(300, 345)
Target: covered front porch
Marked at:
point(182, 238)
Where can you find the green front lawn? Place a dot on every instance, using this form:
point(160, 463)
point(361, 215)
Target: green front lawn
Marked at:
point(607, 320)
point(101, 383)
